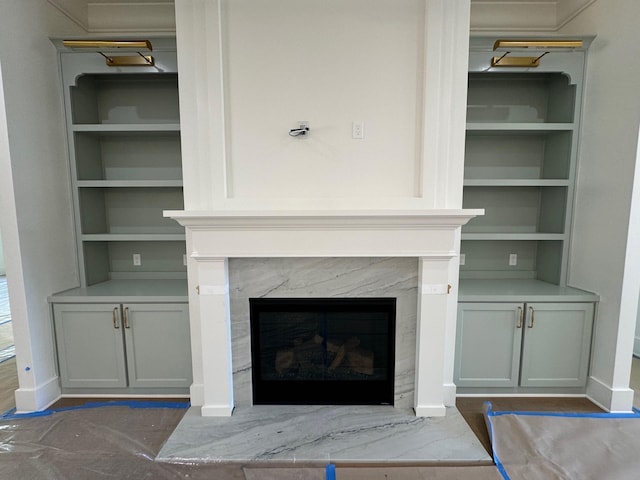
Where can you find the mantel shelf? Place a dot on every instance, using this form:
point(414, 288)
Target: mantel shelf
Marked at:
point(352, 220)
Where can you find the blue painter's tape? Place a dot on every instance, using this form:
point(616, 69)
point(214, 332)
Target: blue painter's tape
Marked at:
point(331, 472)
point(634, 414)
point(11, 415)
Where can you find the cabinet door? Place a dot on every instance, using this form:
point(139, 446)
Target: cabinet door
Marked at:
point(556, 345)
point(90, 345)
point(488, 342)
point(158, 345)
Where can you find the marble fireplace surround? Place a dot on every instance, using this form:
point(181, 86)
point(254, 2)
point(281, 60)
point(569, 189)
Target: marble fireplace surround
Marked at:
point(281, 244)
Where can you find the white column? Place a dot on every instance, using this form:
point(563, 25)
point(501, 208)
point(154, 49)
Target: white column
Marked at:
point(433, 312)
point(215, 324)
point(200, 70)
point(445, 101)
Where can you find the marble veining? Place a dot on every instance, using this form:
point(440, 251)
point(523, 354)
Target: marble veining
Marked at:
point(324, 277)
point(308, 434)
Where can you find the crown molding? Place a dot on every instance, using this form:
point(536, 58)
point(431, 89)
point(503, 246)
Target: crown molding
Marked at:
point(119, 16)
point(159, 16)
point(524, 15)
point(76, 16)
point(132, 17)
point(577, 7)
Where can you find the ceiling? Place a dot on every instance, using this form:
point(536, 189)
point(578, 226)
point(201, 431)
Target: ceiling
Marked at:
point(120, 16)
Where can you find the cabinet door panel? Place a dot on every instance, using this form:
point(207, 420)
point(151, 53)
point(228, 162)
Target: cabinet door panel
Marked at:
point(488, 342)
point(158, 345)
point(556, 344)
point(90, 348)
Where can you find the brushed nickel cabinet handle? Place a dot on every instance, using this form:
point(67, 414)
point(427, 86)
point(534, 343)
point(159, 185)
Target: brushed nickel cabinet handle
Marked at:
point(520, 317)
point(116, 323)
point(533, 313)
point(126, 317)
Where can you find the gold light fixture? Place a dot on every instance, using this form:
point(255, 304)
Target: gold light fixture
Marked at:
point(138, 60)
point(528, 62)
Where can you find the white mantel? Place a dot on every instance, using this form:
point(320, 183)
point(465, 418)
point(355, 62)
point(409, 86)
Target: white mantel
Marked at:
point(433, 236)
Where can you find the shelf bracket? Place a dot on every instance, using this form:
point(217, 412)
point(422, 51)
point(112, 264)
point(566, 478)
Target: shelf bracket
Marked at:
point(522, 62)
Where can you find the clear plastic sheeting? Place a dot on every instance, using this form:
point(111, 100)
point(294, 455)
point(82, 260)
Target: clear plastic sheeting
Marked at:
point(106, 442)
point(555, 446)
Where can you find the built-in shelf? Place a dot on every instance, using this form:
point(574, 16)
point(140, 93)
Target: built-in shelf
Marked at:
point(520, 156)
point(128, 183)
point(125, 157)
point(138, 290)
point(514, 236)
point(133, 237)
point(511, 182)
point(519, 127)
point(519, 290)
point(126, 129)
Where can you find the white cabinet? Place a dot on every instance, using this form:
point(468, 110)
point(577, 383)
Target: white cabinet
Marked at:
point(127, 347)
point(523, 344)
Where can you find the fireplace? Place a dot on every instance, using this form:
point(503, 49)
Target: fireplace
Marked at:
point(220, 339)
point(329, 351)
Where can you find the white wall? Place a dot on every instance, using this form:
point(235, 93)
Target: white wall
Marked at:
point(2, 271)
point(600, 253)
point(331, 63)
point(35, 215)
point(269, 65)
point(636, 340)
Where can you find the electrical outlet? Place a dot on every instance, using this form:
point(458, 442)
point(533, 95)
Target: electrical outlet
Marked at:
point(357, 130)
point(513, 259)
point(463, 259)
point(137, 260)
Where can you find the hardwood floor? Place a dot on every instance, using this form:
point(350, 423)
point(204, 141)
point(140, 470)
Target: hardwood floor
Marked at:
point(8, 385)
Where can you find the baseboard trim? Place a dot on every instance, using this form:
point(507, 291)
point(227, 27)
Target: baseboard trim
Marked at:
point(613, 400)
point(196, 392)
point(449, 394)
point(216, 410)
point(430, 410)
point(39, 398)
point(522, 395)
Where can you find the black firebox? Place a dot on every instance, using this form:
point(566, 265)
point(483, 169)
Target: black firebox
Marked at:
point(323, 351)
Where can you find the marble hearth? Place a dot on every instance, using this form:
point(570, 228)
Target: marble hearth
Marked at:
point(409, 255)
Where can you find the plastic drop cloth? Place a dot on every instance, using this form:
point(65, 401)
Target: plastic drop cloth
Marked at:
point(97, 443)
point(547, 446)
